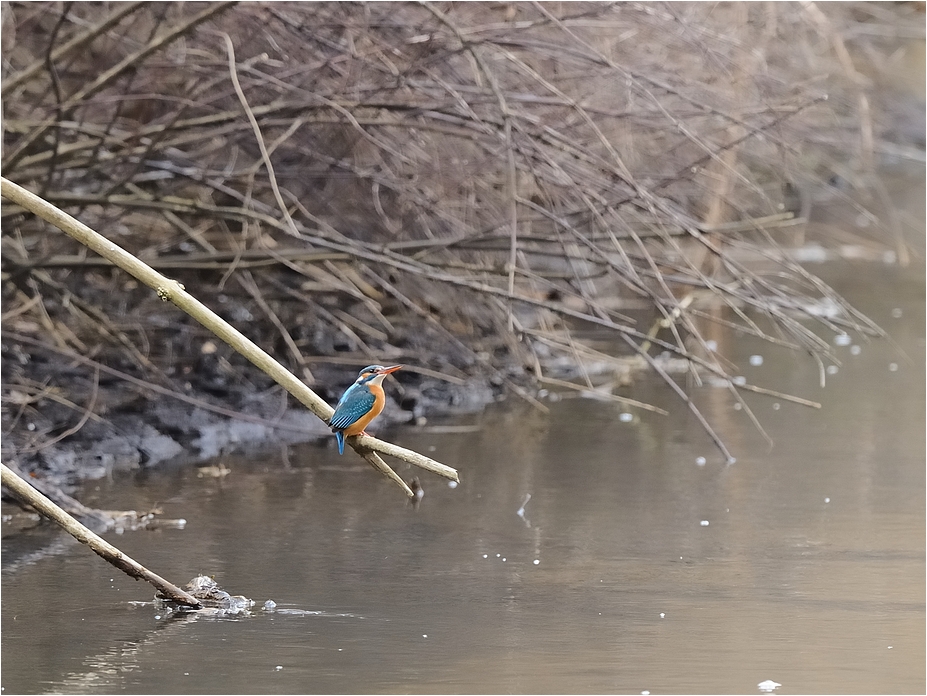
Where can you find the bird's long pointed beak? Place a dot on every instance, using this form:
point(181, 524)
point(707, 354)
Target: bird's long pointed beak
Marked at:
point(387, 370)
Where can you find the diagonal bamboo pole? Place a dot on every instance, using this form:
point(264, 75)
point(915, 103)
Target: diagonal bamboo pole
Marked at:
point(172, 291)
point(29, 495)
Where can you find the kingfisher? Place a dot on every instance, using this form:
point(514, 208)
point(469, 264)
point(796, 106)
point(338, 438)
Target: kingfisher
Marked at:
point(360, 403)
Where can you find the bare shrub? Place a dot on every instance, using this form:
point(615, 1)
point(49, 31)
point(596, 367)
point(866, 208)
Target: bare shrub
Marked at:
point(467, 186)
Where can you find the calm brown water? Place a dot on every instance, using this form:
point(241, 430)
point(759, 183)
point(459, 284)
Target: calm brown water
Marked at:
point(810, 570)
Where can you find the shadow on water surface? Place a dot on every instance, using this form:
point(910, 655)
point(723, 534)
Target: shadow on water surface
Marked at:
point(640, 561)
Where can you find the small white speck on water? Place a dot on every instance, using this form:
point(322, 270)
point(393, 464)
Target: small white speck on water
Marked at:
point(776, 407)
point(889, 647)
point(855, 350)
point(893, 367)
point(756, 360)
point(431, 448)
point(340, 649)
point(626, 417)
point(424, 635)
point(842, 339)
point(662, 615)
point(700, 461)
point(278, 667)
point(452, 484)
point(503, 560)
point(739, 380)
point(485, 555)
point(832, 369)
point(705, 523)
point(768, 686)
point(537, 561)
point(157, 616)
point(826, 500)
point(896, 313)
point(645, 693)
point(498, 555)
point(738, 406)
point(711, 345)
point(186, 674)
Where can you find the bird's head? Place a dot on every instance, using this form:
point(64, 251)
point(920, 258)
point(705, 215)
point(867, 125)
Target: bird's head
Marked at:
point(375, 374)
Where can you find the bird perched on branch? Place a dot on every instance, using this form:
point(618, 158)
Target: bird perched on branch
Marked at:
point(360, 403)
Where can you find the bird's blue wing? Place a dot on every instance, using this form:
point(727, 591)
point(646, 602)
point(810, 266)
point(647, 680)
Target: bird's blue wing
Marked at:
point(355, 403)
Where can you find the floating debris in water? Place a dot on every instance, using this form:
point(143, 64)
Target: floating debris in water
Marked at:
point(485, 555)
point(711, 345)
point(738, 406)
point(893, 367)
point(855, 350)
point(826, 500)
point(215, 600)
point(278, 667)
point(521, 511)
point(896, 313)
point(740, 380)
point(213, 471)
point(270, 605)
point(756, 360)
point(768, 686)
point(705, 523)
point(776, 406)
point(537, 561)
point(700, 461)
point(626, 417)
point(452, 484)
point(831, 369)
point(662, 615)
point(842, 339)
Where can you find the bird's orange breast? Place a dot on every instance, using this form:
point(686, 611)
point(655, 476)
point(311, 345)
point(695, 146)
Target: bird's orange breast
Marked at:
point(379, 400)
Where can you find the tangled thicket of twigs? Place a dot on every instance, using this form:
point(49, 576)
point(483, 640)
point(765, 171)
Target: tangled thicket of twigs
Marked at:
point(464, 186)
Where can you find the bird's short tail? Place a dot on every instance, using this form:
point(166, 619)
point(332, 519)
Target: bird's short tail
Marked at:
point(340, 436)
